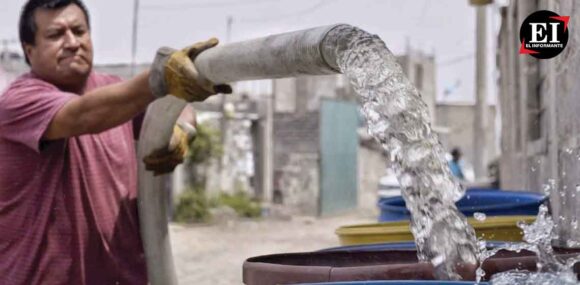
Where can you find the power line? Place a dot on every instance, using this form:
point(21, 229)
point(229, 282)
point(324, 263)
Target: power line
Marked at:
point(134, 38)
point(185, 6)
point(456, 60)
point(426, 6)
point(181, 6)
point(294, 14)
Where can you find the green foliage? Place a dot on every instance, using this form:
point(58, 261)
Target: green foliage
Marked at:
point(241, 203)
point(206, 145)
point(193, 207)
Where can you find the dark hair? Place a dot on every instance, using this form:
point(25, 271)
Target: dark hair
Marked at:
point(27, 26)
point(456, 153)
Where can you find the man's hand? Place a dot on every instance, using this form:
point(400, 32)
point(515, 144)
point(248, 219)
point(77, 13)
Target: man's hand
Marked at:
point(163, 161)
point(173, 72)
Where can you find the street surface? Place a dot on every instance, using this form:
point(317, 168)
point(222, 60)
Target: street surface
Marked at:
point(214, 254)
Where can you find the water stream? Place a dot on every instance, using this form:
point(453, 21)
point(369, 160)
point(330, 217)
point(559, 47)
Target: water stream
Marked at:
point(398, 119)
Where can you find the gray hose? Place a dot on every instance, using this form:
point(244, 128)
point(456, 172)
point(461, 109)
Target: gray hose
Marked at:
point(155, 134)
point(277, 56)
point(306, 52)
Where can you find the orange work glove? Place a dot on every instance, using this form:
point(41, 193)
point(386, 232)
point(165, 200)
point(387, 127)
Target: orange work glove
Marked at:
point(165, 160)
point(173, 72)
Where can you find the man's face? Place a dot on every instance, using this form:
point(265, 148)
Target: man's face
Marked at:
point(63, 51)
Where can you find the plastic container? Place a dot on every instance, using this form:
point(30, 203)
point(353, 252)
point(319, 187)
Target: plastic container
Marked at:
point(408, 245)
point(410, 282)
point(341, 266)
point(489, 202)
point(499, 228)
point(374, 246)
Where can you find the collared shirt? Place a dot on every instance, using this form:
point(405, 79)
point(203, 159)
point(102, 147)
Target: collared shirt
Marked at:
point(68, 208)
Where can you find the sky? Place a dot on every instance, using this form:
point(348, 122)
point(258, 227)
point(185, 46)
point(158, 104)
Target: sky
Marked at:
point(444, 28)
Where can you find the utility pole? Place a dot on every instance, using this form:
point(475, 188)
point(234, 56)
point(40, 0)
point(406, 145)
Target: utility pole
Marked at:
point(230, 22)
point(268, 150)
point(480, 124)
point(224, 123)
point(134, 37)
point(3, 52)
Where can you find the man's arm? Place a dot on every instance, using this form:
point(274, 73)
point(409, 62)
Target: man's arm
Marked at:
point(172, 73)
point(101, 109)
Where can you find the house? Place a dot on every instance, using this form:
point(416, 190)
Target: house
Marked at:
point(12, 65)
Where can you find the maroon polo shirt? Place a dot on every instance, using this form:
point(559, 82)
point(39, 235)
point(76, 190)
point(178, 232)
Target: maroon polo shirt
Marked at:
point(68, 208)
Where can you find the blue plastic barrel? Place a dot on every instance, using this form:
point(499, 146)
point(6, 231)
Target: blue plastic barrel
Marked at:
point(489, 202)
point(375, 246)
point(395, 245)
point(417, 282)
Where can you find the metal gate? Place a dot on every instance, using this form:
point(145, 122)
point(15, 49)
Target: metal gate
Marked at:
point(338, 156)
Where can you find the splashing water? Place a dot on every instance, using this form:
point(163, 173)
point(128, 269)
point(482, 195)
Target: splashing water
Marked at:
point(529, 278)
point(548, 187)
point(538, 238)
point(398, 119)
point(479, 216)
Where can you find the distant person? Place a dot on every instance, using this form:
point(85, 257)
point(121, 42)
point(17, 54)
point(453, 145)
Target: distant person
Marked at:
point(455, 165)
point(68, 177)
point(493, 170)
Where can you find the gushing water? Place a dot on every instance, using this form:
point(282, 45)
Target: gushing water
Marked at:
point(538, 238)
point(479, 216)
point(529, 278)
point(398, 119)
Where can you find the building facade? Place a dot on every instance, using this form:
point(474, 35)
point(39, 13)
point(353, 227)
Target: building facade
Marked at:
point(539, 102)
point(457, 120)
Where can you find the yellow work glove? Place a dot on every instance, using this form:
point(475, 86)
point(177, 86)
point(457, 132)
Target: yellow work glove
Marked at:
point(173, 72)
point(165, 160)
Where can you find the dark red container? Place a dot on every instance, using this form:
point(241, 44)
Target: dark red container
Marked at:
point(292, 268)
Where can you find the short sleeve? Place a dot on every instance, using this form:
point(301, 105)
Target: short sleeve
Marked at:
point(27, 108)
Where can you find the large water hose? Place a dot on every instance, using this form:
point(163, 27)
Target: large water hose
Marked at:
point(278, 56)
point(155, 133)
point(307, 52)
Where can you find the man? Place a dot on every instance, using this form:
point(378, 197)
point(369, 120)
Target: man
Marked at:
point(455, 165)
point(68, 176)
